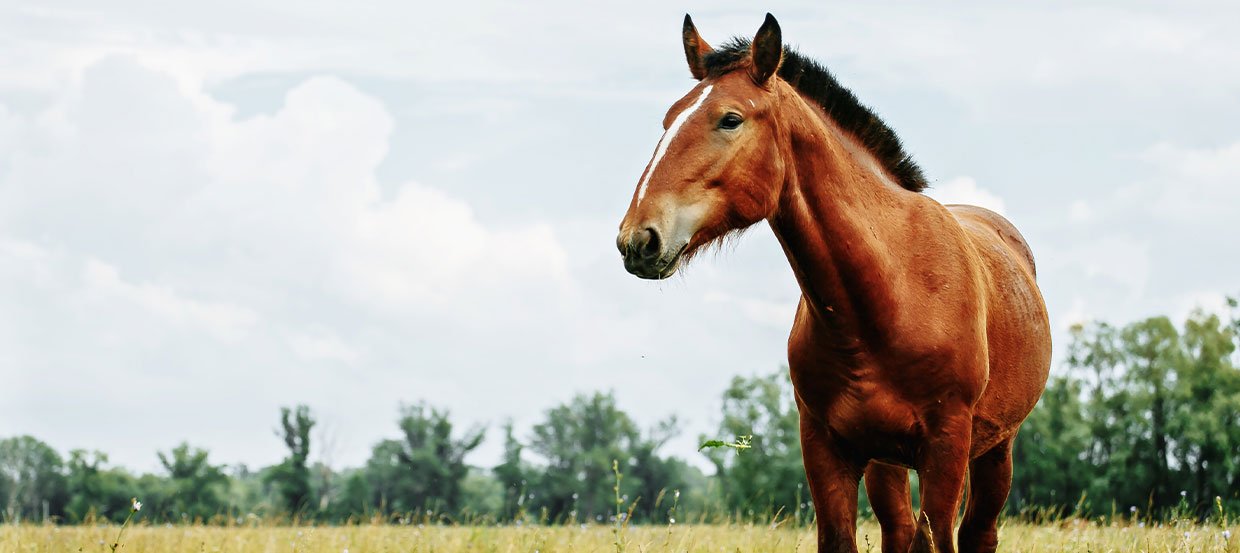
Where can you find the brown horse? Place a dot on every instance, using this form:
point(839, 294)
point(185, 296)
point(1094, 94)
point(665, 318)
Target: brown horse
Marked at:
point(921, 340)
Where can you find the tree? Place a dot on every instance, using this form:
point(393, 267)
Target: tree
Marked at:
point(389, 481)
point(248, 491)
point(84, 484)
point(1206, 414)
point(195, 485)
point(291, 477)
point(355, 500)
point(31, 483)
point(770, 477)
point(654, 476)
point(1152, 354)
point(1049, 452)
point(481, 496)
point(95, 491)
point(510, 473)
point(425, 469)
point(580, 440)
point(1146, 416)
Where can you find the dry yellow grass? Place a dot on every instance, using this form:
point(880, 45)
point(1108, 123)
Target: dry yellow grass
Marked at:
point(1072, 537)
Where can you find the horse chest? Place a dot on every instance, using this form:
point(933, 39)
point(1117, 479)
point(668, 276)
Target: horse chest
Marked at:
point(868, 415)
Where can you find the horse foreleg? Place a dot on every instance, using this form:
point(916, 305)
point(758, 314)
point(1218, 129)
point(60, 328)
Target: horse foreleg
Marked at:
point(944, 459)
point(990, 479)
point(888, 490)
point(833, 483)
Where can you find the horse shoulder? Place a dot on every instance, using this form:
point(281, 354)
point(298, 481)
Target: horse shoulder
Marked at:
point(939, 287)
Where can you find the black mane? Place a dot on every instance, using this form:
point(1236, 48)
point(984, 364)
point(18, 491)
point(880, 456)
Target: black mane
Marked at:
point(841, 105)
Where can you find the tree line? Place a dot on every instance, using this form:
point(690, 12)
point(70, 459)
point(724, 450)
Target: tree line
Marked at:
point(1143, 418)
point(1140, 420)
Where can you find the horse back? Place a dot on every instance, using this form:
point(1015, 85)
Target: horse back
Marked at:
point(970, 215)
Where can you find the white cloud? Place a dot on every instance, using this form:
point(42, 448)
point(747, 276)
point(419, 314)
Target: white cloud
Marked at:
point(148, 224)
point(1213, 165)
point(1209, 301)
point(424, 247)
point(319, 344)
point(389, 39)
point(316, 159)
point(1115, 259)
point(1079, 211)
point(288, 191)
point(22, 251)
point(964, 190)
point(1191, 183)
point(778, 314)
point(1076, 314)
point(223, 320)
point(996, 56)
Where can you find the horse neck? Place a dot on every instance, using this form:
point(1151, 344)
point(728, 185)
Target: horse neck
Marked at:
point(838, 213)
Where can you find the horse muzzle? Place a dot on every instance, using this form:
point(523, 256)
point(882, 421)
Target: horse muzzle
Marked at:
point(648, 255)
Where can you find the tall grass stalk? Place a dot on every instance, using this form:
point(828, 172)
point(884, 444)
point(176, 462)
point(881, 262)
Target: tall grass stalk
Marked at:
point(135, 506)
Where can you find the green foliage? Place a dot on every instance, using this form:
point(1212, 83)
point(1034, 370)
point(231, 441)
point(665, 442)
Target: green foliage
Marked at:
point(291, 478)
point(195, 487)
point(651, 475)
point(424, 470)
point(1048, 454)
point(579, 441)
point(1206, 414)
point(96, 491)
point(31, 481)
point(481, 495)
point(510, 474)
point(1147, 418)
point(769, 478)
point(742, 443)
point(248, 492)
point(354, 501)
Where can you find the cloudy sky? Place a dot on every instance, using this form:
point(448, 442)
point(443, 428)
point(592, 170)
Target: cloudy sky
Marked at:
point(211, 210)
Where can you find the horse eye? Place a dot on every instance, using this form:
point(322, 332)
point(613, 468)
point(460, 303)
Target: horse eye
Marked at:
point(730, 122)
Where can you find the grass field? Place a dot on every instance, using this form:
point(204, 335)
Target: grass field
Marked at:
point(1065, 536)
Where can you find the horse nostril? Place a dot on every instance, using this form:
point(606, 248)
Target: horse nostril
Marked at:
point(651, 245)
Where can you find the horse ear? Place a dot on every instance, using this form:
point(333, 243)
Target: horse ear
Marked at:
point(767, 51)
point(695, 49)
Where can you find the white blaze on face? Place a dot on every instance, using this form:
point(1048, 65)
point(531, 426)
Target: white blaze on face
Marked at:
point(667, 139)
